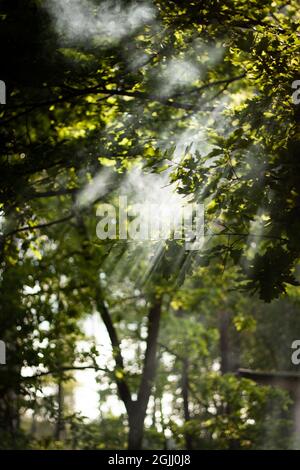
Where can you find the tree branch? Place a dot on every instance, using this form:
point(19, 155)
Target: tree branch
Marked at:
point(35, 227)
point(123, 388)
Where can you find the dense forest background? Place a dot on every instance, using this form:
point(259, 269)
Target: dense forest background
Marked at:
point(163, 101)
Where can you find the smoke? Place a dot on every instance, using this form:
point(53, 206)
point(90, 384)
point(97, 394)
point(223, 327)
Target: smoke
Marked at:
point(108, 21)
point(95, 189)
point(178, 73)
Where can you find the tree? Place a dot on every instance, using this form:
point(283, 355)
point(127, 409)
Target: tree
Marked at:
point(201, 93)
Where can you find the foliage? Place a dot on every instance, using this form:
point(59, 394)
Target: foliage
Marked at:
point(199, 96)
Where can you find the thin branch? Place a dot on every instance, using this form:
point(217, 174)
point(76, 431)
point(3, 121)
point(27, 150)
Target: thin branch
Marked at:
point(38, 226)
point(120, 92)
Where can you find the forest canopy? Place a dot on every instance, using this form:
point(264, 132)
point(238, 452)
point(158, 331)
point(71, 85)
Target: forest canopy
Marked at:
point(164, 103)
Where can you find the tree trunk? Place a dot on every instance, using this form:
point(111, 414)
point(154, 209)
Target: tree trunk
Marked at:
point(137, 414)
point(136, 420)
point(60, 427)
point(224, 342)
point(136, 409)
point(185, 397)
